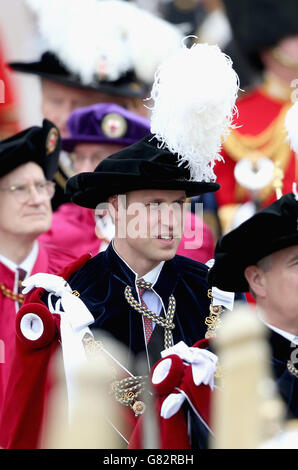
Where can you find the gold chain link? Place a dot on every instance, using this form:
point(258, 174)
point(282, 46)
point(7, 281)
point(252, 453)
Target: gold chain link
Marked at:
point(292, 369)
point(166, 323)
point(10, 294)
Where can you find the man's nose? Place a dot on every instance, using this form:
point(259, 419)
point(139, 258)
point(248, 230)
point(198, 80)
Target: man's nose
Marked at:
point(85, 166)
point(34, 195)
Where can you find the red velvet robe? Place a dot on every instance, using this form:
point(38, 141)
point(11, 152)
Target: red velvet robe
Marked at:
point(48, 260)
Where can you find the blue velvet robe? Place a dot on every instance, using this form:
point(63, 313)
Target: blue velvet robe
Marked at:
point(286, 382)
point(101, 283)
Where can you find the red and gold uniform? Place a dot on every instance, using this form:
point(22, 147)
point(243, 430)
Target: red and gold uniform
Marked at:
point(260, 133)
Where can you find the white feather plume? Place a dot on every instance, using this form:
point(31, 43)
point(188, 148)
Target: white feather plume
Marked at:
point(110, 36)
point(194, 96)
point(291, 125)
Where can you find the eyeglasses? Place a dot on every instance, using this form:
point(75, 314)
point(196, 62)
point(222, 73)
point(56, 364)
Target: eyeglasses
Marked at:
point(23, 192)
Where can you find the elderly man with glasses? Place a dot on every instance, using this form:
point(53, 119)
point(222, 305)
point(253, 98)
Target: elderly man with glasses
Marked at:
point(29, 161)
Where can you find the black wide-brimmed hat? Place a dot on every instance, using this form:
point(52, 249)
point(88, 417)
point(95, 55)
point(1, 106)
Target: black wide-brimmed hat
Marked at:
point(143, 165)
point(49, 67)
point(261, 24)
point(268, 231)
point(36, 144)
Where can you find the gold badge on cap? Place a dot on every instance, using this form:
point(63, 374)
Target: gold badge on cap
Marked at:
point(52, 139)
point(114, 125)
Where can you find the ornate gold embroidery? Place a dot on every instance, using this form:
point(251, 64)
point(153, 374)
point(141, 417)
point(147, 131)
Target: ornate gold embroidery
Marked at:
point(270, 143)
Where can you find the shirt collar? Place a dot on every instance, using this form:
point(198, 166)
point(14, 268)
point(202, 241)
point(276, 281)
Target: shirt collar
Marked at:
point(152, 276)
point(289, 336)
point(27, 264)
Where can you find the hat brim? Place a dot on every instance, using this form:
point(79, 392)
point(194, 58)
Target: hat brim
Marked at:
point(115, 88)
point(260, 236)
point(69, 144)
point(90, 189)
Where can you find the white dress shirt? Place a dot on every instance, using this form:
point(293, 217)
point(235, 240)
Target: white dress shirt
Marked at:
point(289, 336)
point(26, 265)
point(150, 297)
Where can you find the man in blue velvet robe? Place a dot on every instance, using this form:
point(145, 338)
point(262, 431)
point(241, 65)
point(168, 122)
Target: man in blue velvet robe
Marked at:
point(261, 256)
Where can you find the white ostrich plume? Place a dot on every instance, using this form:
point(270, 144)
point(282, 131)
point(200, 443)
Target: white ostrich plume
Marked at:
point(194, 95)
point(291, 125)
point(105, 37)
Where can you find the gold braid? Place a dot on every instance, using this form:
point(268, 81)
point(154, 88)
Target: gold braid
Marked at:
point(10, 294)
point(166, 323)
point(213, 322)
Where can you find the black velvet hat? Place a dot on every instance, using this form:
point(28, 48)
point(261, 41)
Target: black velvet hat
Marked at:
point(51, 68)
point(143, 165)
point(35, 144)
point(261, 24)
point(269, 230)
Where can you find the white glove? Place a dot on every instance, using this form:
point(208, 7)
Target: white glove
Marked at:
point(203, 362)
point(76, 311)
point(49, 282)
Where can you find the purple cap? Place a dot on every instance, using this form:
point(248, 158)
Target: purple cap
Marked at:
point(104, 123)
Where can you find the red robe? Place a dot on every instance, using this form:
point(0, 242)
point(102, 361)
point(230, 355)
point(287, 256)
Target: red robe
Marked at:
point(49, 260)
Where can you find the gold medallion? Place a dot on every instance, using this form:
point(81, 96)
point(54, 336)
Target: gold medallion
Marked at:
point(52, 139)
point(139, 407)
point(114, 125)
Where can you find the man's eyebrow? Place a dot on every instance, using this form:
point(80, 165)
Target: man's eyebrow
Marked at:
point(293, 258)
point(159, 200)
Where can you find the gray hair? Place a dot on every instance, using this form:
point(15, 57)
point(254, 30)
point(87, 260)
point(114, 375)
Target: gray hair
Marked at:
point(265, 264)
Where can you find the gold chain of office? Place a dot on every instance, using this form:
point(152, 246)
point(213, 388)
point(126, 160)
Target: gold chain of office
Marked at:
point(127, 390)
point(10, 294)
point(166, 323)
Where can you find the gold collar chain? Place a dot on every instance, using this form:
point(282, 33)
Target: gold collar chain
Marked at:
point(292, 369)
point(166, 323)
point(10, 294)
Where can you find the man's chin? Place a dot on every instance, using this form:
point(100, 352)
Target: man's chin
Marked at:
point(38, 229)
point(166, 253)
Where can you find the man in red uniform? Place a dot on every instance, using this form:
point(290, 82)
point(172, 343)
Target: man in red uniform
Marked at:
point(267, 34)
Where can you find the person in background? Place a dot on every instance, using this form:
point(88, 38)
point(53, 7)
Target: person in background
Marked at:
point(28, 162)
point(117, 36)
point(268, 269)
point(9, 118)
point(257, 157)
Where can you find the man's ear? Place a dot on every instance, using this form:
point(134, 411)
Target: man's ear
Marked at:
point(113, 207)
point(255, 278)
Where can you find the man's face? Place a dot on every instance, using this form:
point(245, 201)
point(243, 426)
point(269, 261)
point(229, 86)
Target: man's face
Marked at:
point(279, 289)
point(86, 157)
point(153, 223)
point(59, 100)
point(31, 217)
